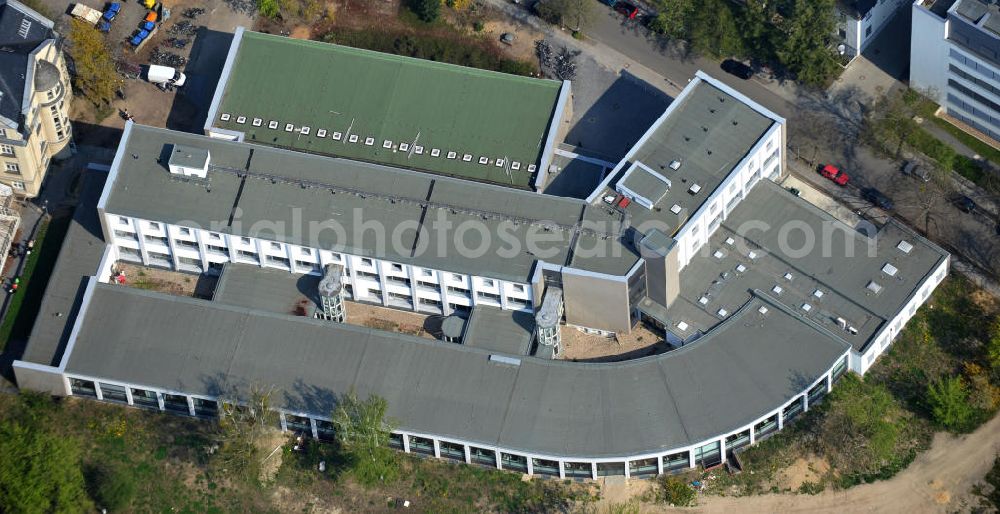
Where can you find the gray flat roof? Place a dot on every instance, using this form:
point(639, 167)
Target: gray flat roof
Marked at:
point(263, 188)
point(498, 330)
point(79, 258)
point(709, 132)
point(267, 289)
point(840, 267)
point(727, 379)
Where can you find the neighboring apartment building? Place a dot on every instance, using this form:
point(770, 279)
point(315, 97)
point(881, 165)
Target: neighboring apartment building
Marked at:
point(35, 97)
point(860, 21)
point(955, 57)
point(762, 322)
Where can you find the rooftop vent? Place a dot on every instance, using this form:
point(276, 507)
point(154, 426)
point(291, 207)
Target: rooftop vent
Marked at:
point(435, 152)
point(467, 157)
point(515, 166)
point(257, 122)
point(682, 326)
point(272, 125)
point(695, 188)
point(417, 149)
point(305, 131)
point(337, 136)
point(675, 165)
point(353, 138)
point(531, 168)
point(289, 127)
point(387, 144)
point(404, 147)
point(241, 119)
point(452, 155)
point(874, 287)
point(762, 309)
point(321, 133)
point(370, 141)
point(484, 160)
point(501, 162)
point(904, 246)
point(889, 269)
point(225, 116)
point(676, 209)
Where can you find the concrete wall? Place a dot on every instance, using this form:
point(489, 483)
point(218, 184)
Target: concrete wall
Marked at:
point(928, 52)
point(43, 379)
point(596, 301)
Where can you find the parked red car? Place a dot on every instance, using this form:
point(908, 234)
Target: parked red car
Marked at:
point(626, 9)
point(833, 173)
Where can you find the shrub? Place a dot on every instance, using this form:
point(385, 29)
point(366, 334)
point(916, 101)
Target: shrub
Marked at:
point(268, 8)
point(676, 492)
point(949, 402)
point(426, 10)
point(111, 486)
point(39, 470)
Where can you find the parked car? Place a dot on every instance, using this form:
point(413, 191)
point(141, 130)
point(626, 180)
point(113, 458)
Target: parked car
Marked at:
point(795, 191)
point(966, 204)
point(628, 10)
point(734, 67)
point(878, 198)
point(833, 173)
point(916, 171)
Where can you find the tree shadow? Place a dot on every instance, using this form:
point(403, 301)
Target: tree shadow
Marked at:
point(203, 70)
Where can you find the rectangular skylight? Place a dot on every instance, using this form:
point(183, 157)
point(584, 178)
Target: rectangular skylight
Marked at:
point(730, 241)
point(776, 289)
point(703, 300)
point(676, 209)
point(788, 276)
point(762, 309)
point(874, 287)
point(818, 294)
point(718, 254)
point(695, 188)
point(682, 326)
point(904, 246)
point(889, 269)
point(806, 307)
point(723, 313)
point(740, 268)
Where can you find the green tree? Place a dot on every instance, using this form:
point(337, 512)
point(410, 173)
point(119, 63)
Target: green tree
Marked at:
point(268, 8)
point(804, 48)
point(426, 10)
point(95, 73)
point(39, 470)
point(573, 14)
point(673, 19)
point(757, 30)
point(948, 399)
point(363, 431)
point(714, 31)
point(674, 491)
point(243, 424)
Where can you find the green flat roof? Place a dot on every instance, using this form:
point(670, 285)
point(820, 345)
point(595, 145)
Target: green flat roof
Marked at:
point(388, 98)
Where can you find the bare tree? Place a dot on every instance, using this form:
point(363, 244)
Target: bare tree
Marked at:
point(243, 424)
point(814, 130)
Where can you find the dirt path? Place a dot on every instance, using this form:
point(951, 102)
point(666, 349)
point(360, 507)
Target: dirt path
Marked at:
point(939, 480)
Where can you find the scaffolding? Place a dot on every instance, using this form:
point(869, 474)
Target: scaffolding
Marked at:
point(331, 295)
point(10, 220)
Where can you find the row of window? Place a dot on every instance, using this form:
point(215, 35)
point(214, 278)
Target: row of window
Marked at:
point(249, 254)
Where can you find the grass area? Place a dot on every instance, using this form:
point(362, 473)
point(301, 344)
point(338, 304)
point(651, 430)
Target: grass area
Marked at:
point(454, 49)
point(34, 279)
point(927, 108)
point(870, 428)
point(173, 468)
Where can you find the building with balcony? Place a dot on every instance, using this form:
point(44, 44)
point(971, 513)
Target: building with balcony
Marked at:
point(766, 300)
point(35, 97)
point(955, 59)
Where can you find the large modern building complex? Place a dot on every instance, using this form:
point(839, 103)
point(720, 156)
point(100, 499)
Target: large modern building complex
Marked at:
point(35, 96)
point(765, 299)
point(955, 57)
point(860, 21)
